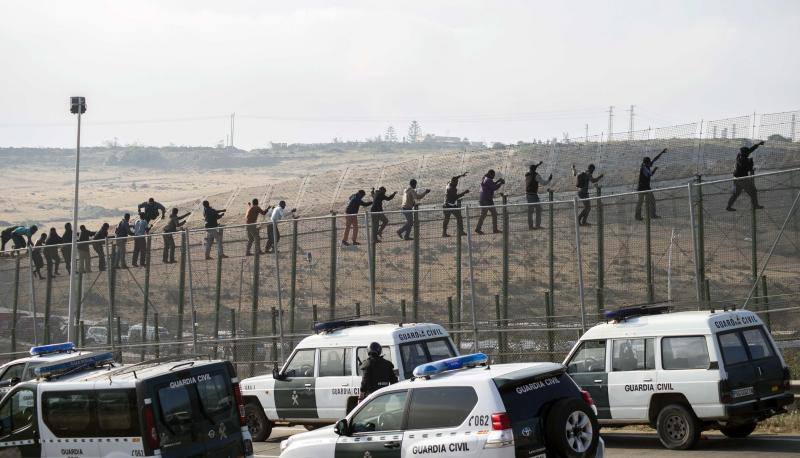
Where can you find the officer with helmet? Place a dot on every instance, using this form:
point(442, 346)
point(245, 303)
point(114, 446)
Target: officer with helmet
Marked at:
point(376, 372)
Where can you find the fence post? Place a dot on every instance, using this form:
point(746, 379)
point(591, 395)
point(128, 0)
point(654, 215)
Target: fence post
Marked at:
point(293, 278)
point(766, 302)
point(505, 275)
point(48, 299)
point(549, 317)
point(551, 253)
point(278, 288)
point(459, 282)
point(601, 267)
point(370, 260)
point(254, 308)
point(191, 283)
point(33, 295)
point(648, 246)
point(314, 315)
point(157, 336)
point(332, 279)
point(472, 284)
point(111, 269)
point(498, 326)
point(79, 294)
point(148, 247)
point(81, 334)
point(580, 263)
point(273, 353)
point(181, 293)
point(234, 355)
point(118, 338)
point(217, 297)
point(402, 310)
point(15, 304)
point(701, 244)
point(358, 309)
point(415, 269)
point(450, 313)
point(754, 248)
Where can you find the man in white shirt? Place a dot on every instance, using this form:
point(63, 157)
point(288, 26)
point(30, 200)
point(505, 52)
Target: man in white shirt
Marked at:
point(410, 198)
point(140, 229)
point(273, 234)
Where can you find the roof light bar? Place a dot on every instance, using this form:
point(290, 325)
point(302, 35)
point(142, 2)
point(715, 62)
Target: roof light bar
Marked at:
point(631, 312)
point(327, 326)
point(450, 364)
point(81, 362)
point(64, 347)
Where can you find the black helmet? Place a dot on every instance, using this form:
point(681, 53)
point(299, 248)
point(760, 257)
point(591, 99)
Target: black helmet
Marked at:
point(375, 349)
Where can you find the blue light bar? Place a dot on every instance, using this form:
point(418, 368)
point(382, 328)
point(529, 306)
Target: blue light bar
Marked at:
point(74, 364)
point(327, 326)
point(631, 312)
point(64, 347)
point(449, 364)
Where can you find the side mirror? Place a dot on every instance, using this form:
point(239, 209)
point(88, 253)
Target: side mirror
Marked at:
point(276, 374)
point(341, 427)
point(10, 382)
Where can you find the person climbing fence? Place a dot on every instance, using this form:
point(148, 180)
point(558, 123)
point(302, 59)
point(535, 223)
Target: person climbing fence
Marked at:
point(646, 171)
point(584, 179)
point(744, 168)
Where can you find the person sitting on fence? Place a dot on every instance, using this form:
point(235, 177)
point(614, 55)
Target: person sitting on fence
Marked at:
point(5, 236)
point(744, 168)
point(151, 209)
point(273, 232)
point(379, 220)
point(122, 232)
point(354, 204)
point(19, 234)
point(646, 172)
point(140, 230)
point(452, 205)
point(99, 246)
point(84, 256)
point(532, 182)
point(66, 249)
point(51, 252)
point(214, 230)
point(38, 260)
point(253, 230)
point(584, 180)
point(488, 188)
point(410, 198)
point(172, 226)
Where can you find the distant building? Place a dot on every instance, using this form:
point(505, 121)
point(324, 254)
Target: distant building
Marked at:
point(441, 139)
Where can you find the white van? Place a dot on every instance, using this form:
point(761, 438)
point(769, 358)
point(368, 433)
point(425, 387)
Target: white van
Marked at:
point(682, 372)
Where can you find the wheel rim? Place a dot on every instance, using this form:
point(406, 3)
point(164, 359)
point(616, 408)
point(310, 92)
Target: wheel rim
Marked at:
point(254, 423)
point(579, 431)
point(676, 427)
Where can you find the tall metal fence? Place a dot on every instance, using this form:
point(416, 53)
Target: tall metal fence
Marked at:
point(520, 293)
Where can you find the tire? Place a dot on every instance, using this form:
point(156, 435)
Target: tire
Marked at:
point(258, 424)
point(571, 429)
point(739, 431)
point(678, 428)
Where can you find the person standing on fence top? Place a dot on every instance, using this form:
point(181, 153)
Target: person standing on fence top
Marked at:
point(5, 236)
point(379, 220)
point(19, 234)
point(151, 209)
point(488, 188)
point(84, 256)
point(273, 232)
point(354, 204)
point(66, 249)
point(51, 252)
point(253, 231)
point(452, 205)
point(172, 225)
point(646, 172)
point(532, 182)
point(744, 168)
point(122, 232)
point(410, 198)
point(584, 180)
point(38, 261)
point(140, 230)
point(99, 246)
point(212, 217)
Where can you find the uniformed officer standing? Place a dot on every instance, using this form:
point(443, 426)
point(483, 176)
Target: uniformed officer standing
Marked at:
point(376, 372)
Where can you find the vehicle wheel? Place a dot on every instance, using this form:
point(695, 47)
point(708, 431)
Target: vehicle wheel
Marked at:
point(739, 431)
point(572, 429)
point(311, 427)
point(258, 424)
point(677, 427)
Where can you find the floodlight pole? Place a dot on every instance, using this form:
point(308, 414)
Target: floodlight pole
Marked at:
point(74, 242)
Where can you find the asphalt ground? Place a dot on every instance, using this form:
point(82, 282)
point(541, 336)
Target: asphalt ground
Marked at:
point(626, 444)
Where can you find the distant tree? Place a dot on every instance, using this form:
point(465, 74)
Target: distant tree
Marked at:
point(778, 138)
point(391, 135)
point(414, 132)
point(498, 145)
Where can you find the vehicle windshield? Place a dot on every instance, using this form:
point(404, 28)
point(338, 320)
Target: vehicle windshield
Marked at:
point(424, 351)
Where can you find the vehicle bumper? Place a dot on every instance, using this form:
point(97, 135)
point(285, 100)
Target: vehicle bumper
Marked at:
point(760, 409)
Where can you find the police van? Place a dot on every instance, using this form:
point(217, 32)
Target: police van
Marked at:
point(86, 406)
point(682, 372)
point(463, 407)
point(321, 380)
point(21, 369)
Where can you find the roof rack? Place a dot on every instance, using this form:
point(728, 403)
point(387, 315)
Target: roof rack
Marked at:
point(639, 310)
point(450, 364)
point(166, 359)
point(330, 326)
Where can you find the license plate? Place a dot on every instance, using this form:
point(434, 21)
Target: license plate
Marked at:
point(742, 392)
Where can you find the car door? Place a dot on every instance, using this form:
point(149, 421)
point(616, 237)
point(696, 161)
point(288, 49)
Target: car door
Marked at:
point(19, 427)
point(68, 423)
point(376, 428)
point(740, 373)
point(587, 366)
point(295, 398)
point(435, 420)
point(767, 366)
point(334, 382)
point(632, 380)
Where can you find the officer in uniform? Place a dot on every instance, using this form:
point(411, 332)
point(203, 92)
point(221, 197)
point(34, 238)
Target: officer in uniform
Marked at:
point(376, 372)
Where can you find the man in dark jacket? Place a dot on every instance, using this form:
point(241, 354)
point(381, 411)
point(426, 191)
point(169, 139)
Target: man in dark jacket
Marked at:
point(6, 236)
point(532, 182)
point(151, 209)
point(744, 168)
point(51, 252)
point(122, 233)
point(646, 172)
point(452, 205)
point(376, 372)
point(84, 256)
point(584, 179)
point(379, 220)
point(488, 187)
point(175, 221)
point(66, 249)
point(99, 246)
point(214, 231)
point(354, 204)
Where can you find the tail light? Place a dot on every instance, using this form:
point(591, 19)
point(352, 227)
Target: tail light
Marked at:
point(724, 392)
point(587, 398)
point(501, 434)
point(237, 393)
point(150, 433)
point(787, 382)
point(500, 421)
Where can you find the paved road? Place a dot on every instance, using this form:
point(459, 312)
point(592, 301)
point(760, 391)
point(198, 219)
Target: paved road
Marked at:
point(636, 445)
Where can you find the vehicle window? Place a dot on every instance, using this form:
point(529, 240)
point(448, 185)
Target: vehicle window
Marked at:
point(384, 413)
point(422, 352)
point(117, 413)
point(732, 349)
point(28, 374)
point(590, 357)
point(216, 396)
point(332, 362)
point(361, 356)
point(439, 349)
point(440, 407)
point(302, 364)
point(632, 355)
point(348, 361)
point(684, 353)
point(17, 412)
point(68, 413)
point(757, 343)
point(14, 371)
point(176, 409)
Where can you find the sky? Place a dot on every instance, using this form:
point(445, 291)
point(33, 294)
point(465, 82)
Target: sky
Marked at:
point(172, 72)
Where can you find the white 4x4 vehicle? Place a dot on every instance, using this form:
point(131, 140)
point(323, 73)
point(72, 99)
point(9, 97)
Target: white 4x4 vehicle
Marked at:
point(682, 372)
point(321, 380)
point(501, 411)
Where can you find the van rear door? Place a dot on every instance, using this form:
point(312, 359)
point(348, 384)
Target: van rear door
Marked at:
point(754, 369)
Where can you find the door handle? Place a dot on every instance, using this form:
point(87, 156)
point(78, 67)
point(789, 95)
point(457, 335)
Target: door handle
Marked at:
point(391, 444)
point(307, 385)
point(647, 380)
point(598, 381)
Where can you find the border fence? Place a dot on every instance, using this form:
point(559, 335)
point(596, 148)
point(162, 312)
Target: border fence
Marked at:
point(517, 294)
